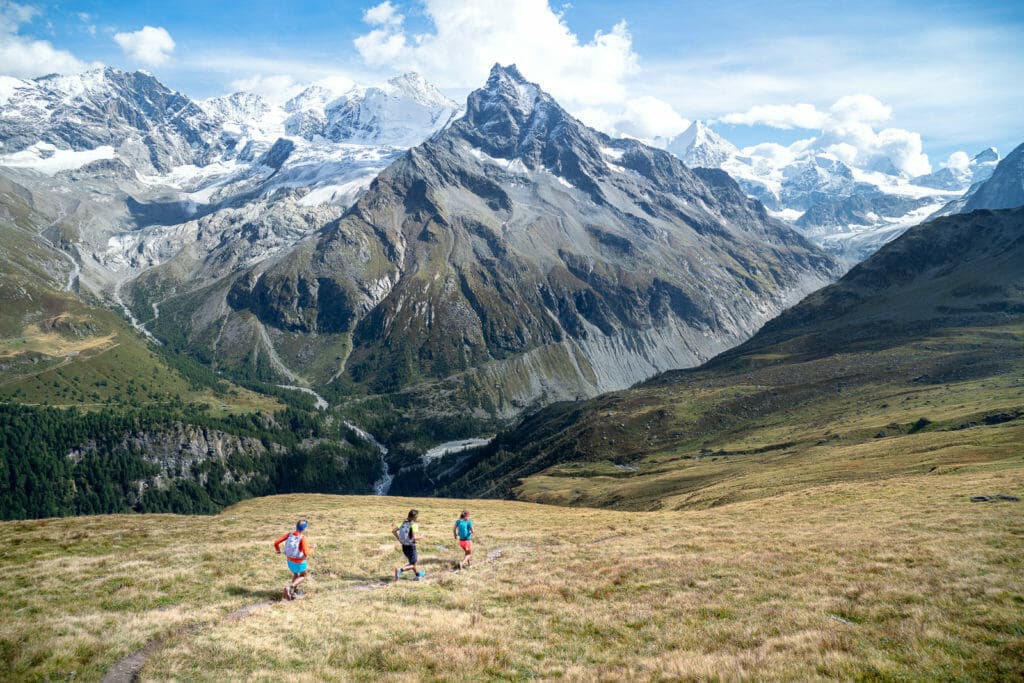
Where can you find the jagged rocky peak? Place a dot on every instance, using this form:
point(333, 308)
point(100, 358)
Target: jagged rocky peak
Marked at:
point(507, 89)
point(1004, 188)
point(513, 118)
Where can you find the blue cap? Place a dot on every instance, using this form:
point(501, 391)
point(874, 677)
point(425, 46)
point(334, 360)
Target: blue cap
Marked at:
point(301, 526)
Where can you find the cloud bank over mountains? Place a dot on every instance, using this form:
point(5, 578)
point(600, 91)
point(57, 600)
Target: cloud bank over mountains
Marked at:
point(848, 130)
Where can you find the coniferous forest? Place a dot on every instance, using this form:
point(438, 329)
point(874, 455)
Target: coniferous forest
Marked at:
point(58, 462)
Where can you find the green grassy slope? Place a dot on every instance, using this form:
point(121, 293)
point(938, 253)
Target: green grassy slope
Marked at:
point(918, 350)
point(61, 348)
point(903, 579)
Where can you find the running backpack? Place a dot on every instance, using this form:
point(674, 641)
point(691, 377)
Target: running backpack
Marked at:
point(405, 533)
point(291, 547)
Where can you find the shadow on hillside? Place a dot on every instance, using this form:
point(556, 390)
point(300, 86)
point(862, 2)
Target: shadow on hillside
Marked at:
point(262, 593)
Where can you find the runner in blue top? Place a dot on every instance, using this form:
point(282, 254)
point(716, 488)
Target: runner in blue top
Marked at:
point(463, 532)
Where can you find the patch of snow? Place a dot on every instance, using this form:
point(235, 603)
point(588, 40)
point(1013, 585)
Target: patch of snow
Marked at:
point(511, 165)
point(615, 154)
point(789, 215)
point(46, 158)
point(342, 193)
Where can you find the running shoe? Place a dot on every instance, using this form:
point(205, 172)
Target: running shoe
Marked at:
point(398, 574)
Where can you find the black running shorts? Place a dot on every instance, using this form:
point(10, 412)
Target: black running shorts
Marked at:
point(410, 553)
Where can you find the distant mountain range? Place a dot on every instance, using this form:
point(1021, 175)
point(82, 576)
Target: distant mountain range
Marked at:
point(386, 241)
point(848, 211)
point(515, 257)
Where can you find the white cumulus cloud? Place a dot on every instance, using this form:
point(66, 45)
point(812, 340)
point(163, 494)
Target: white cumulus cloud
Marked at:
point(26, 57)
point(384, 14)
point(150, 45)
point(958, 161)
point(859, 109)
point(468, 37)
point(848, 131)
point(646, 118)
point(782, 116)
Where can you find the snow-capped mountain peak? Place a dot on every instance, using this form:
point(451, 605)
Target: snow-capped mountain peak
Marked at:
point(401, 112)
point(150, 125)
point(699, 146)
point(237, 108)
point(414, 86)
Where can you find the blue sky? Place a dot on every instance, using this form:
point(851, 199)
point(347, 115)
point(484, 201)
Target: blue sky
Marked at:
point(948, 72)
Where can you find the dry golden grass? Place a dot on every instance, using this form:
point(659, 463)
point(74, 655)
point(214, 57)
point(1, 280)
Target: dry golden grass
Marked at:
point(52, 342)
point(895, 578)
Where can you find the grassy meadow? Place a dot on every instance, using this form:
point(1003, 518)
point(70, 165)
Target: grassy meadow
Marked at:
point(895, 578)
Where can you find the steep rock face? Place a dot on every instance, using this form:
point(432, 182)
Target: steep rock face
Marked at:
point(145, 122)
point(862, 208)
point(519, 256)
point(178, 451)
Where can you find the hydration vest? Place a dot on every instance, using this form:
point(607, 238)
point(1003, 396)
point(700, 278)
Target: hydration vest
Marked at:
point(291, 547)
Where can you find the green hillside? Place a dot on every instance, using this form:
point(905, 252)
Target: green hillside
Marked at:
point(913, 361)
point(59, 347)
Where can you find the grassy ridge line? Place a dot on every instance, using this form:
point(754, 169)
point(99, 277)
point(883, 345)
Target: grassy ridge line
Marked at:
point(855, 413)
point(902, 578)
